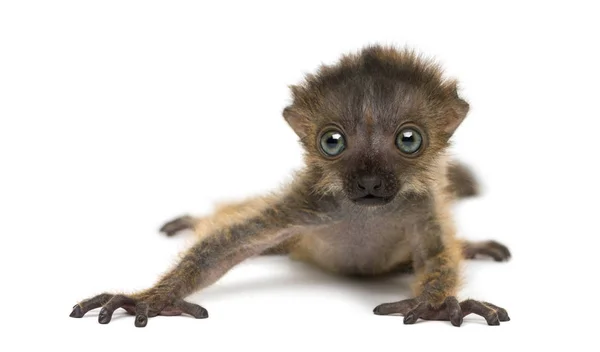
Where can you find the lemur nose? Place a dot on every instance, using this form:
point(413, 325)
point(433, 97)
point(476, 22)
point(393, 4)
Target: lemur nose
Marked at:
point(369, 183)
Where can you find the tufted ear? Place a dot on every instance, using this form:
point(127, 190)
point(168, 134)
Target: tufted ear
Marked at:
point(297, 121)
point(461, 109)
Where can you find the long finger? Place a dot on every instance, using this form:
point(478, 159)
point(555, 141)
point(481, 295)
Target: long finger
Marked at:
point(85, 306)
point(502, 248)
point(470, 306)
point(454, 311)
point(401, 307)
point(493, 252)
point(192, 309)
point(502, 313)
point(107, 310)
point(416, 313)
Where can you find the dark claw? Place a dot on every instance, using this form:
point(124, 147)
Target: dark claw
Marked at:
point(416, 313)
point(410, 319)
point(141, 319)
point(502, 248)
point(77, 312)
point(493, 321)
point(203, 314)
point(382, 309)
point(457, 321)
point(105, 316)
point(376, 310)
point(498, 251)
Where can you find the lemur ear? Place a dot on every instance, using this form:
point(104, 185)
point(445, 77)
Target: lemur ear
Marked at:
point(460, 108)
point(297, 121)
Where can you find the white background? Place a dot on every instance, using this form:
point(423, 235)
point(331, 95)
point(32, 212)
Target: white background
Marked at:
point(118, 115)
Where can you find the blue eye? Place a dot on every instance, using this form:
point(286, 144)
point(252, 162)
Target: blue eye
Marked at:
point(332, 143)
point(409, 140)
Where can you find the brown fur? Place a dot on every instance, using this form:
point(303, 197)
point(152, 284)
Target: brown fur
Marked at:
point(327, 216)
point(461, 181)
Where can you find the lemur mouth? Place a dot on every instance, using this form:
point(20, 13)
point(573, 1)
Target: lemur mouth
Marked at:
point(372, 200)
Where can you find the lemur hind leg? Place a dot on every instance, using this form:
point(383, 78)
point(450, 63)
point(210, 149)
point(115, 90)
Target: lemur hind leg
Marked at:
point(228, 212)
point(470, 250)
point(224, 213)
point(187, 222)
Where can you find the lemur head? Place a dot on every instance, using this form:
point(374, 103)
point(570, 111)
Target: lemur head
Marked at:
point(375, 124)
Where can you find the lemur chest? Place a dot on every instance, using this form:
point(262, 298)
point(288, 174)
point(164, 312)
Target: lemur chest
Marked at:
point(362, 246)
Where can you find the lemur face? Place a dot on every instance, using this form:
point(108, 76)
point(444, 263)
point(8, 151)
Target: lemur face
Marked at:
point(375, 124)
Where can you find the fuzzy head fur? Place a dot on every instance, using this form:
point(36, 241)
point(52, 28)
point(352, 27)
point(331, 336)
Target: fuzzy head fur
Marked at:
point(368, 97)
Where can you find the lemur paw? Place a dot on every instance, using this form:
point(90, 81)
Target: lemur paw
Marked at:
point(493, 249)
point(451, 310)
point(142, 308)
point(176, 225)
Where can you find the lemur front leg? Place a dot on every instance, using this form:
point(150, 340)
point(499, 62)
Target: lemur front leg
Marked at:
point(436, 259)
point(204, 263)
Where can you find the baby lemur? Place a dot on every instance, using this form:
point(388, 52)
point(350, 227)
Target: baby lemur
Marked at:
point(374, 197)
